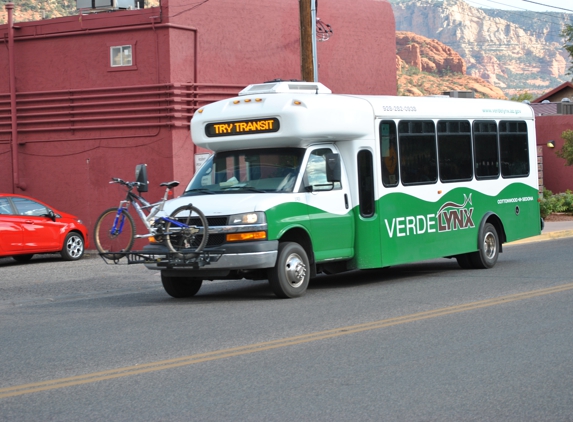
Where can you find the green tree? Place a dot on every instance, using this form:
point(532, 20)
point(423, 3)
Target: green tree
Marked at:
point(567, 151)
point(522, 97)
point(567, 34)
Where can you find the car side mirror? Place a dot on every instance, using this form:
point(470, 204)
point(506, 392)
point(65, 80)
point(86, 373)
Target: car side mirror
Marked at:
point(141, 177)
point(333, 167)
point(52, 215)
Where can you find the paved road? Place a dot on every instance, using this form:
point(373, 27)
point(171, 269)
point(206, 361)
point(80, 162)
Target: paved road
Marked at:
point(427, 341)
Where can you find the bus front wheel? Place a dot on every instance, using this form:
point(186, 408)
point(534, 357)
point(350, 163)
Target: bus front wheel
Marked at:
point(488, 252)
point(291, 274)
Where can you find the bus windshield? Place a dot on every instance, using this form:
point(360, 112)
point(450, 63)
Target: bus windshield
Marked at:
point(255, 170)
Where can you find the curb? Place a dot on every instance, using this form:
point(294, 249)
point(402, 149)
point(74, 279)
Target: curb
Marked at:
point(543, 237)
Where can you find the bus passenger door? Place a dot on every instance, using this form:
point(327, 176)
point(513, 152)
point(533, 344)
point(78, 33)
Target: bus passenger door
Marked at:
point(329, 208)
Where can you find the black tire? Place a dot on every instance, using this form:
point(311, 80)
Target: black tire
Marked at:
point(107, 242)
point(464, 261)
point(488, 252)
point(23, 258)
point(291, 274)
point(73, 247)
point(187, 239)
point(181, 287)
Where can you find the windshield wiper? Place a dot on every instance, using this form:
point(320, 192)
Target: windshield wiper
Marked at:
point(198, 190)
point(247, 188)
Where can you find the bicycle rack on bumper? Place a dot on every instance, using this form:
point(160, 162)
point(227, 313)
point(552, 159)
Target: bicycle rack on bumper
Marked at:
point(165, 260)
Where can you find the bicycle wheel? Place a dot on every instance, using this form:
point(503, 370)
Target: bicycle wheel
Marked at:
point(114, 235)
point(186, 239)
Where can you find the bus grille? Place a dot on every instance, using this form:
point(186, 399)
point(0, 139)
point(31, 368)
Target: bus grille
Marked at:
point(214, 239)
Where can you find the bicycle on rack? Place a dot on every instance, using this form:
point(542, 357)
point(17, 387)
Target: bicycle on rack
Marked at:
point(184, 232)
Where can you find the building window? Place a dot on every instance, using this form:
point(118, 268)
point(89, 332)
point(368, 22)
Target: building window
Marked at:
point(122, 57)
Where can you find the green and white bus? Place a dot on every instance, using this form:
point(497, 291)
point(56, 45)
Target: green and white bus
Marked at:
point(303, 181)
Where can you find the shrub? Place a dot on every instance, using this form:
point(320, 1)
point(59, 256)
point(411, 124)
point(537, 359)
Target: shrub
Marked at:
point(550, 203)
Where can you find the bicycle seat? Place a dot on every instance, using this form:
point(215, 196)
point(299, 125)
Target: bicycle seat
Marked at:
point(170, 185)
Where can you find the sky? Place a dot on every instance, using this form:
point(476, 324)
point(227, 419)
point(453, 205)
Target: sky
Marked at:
point(536, 6)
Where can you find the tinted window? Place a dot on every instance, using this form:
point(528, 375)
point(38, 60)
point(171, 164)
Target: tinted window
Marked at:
point(365, 183)
point(513, 149)
point(5, 207)
point(27, 207)
point(418, 163)
point(455, 150)
point(389, 153)
point(485, 150)
point(315, 173)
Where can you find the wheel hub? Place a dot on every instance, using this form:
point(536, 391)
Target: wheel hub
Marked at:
point(490, 245)
point(295, 270)
point(74, 246)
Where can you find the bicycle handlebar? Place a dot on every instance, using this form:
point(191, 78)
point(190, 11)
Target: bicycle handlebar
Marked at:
point(169, 185)
point(123, 182)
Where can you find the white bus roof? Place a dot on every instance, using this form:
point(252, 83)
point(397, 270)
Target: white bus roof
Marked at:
point(300, 113)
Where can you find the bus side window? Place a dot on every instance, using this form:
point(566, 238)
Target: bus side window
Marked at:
point(315, 173)
point(514, 153)
point(486, 159)
point(389, 153)
point(365, 183)
point(418, 156)
point(455, 150)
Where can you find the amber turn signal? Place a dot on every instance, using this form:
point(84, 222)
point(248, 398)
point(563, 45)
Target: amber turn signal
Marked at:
point(238, 237)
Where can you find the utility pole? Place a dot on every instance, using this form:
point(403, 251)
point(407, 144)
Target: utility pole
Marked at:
point(309, 66)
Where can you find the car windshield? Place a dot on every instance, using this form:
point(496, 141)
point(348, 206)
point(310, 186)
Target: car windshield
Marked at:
point(256, 170)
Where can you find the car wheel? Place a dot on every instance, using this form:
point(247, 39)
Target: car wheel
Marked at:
point(73, 247)
point(23, 258)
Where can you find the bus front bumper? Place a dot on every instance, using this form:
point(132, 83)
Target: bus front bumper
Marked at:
point(242, 256)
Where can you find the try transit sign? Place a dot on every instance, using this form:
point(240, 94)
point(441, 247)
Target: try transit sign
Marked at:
point(242, 127)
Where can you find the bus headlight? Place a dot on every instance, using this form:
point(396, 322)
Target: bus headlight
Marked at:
point(257, 217)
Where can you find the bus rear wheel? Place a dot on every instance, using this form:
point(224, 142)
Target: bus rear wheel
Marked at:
point(290, 276)
point(488, 252)
point(181, 287)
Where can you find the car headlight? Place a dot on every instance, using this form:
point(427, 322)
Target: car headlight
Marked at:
point(257, 217)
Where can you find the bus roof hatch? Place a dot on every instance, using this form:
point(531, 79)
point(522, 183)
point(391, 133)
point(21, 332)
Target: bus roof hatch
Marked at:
point(286, 87)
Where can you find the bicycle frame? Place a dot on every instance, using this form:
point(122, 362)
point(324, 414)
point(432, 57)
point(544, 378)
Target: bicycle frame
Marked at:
point(136, 200)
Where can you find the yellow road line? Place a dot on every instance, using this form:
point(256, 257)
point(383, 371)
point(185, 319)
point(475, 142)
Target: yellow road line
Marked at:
point(269, 345)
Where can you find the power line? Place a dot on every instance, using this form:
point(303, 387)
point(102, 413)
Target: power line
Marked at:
point(547, 5)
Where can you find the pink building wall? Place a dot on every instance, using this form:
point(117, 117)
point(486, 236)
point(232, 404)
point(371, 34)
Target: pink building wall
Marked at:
point(80, 122)
point(557, 177)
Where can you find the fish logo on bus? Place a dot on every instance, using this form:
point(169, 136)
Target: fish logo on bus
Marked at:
point(450, 216)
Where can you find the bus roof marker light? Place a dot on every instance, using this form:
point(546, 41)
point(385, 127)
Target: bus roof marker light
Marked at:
point(247, 100)
point(296, 102)
point(258, 100)
point(236, 102)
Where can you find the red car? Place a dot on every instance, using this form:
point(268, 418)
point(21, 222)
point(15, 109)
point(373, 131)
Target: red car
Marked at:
point(28, 227)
